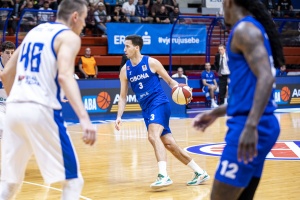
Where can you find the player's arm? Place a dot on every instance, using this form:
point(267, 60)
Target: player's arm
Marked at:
point(81, 69)
point(249, 41)
point(123, 97)
point(204, 82)
point(67, 45)
point(157, 67)
point(96, 70)
point(9, 72)
point(215, 82)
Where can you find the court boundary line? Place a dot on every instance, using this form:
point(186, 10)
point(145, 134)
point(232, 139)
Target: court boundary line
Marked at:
point(52, 188)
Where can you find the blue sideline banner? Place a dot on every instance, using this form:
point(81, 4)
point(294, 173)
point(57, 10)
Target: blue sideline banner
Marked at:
point(186, 39)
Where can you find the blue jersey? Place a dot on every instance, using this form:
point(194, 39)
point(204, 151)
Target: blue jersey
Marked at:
point(242, 83)
point(208, 76)
point(145, 84)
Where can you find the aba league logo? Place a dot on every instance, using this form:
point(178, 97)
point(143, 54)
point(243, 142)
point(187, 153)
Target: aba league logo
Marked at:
point(282, 150)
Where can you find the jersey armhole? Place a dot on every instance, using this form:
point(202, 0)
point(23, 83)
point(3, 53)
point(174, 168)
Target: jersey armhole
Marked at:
point(52, 41)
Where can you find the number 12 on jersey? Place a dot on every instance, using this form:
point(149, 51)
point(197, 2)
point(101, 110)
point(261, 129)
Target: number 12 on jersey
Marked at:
point(31, 54)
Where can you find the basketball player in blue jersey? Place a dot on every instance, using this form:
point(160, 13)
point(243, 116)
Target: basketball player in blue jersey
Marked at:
point(142, 72)
point(7, 49)
point(209, 84)
point(35, 78)
point(252, 126)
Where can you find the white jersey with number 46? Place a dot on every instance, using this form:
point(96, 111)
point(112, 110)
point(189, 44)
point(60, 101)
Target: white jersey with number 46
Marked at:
point(37, 73)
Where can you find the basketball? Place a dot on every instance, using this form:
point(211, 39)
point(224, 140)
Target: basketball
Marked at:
point(181, 94)
point(103, 100)
point(285, 93)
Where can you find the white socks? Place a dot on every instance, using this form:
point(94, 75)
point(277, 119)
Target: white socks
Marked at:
point(162, 168)
point(195, 167)
point(225, 100)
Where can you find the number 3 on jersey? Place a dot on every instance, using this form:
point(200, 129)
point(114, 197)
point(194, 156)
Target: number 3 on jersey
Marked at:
point(31, 54)
point(141, 85)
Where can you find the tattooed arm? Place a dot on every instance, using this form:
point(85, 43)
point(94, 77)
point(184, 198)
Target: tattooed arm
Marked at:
point(248, 40)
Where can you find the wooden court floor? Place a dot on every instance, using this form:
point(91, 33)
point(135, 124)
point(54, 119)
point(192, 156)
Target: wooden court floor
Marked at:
point(122, 165)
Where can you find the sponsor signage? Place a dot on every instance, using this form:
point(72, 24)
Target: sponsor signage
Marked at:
point(186, 39)
point(106, 100)
point(287, 94)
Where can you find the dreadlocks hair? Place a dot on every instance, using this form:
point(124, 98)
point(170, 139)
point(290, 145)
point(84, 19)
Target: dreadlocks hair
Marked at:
point(259, 11)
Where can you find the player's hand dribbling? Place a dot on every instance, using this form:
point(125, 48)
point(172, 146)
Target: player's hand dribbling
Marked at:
point(89, 133)
point(204, 120)
point(118, 123)
point(247, 144)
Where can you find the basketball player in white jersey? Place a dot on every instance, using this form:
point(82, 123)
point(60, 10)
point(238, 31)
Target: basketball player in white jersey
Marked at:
point(34, 80)
point(7, 49)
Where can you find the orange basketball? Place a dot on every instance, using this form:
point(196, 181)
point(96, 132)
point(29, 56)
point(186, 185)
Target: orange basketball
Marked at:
point(103, 100)
point(285, 93)
point(181, 94)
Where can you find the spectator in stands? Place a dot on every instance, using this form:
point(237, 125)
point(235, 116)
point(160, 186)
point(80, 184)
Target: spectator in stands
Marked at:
point(162, 16)
point(45, 16)
point(29, 19)
point(100, 18)
point(223, 73)
point(156, 8)
point(170, 5)
point(119, 15)
point(174, 15)
point(120, 2)
point(128, 9)
point(271, 6)
point(17, 9)
point(180, 74)
point(90, 21)
point(87, 65)
point(285, 7)
point(93, 2)
point(209, 84)
point(53, 4)
point(281, 71)
point(142, 12)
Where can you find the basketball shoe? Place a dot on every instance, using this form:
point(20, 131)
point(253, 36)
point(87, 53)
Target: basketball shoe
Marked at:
point(161, 181)
point(198, 178)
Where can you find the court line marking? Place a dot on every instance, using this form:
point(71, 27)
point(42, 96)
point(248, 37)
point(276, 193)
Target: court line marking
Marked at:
point(52, 188)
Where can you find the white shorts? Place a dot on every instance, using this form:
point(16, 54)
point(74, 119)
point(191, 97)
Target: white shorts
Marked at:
point(31, 128)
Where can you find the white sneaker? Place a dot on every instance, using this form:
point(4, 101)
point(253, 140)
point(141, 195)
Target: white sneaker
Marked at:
point(214, 105)
point(198, 178)
point(161, 181)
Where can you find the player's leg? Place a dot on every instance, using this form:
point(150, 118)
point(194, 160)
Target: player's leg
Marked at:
point(199, 174)
point(222, 88)
point(163, 114)
point(249, 191)
point(154, 133)
point(235, 176)
point(15, 151)
point(55, 153)
point(221, 191)
point(72, 188)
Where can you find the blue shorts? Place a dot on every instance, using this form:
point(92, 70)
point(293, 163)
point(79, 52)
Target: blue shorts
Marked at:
point(236, 173)
point(158, 115)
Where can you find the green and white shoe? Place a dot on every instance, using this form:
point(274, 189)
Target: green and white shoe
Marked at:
point(198, 178)
point(161, 181)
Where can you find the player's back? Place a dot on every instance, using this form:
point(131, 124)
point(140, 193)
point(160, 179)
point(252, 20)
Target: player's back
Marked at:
point(242, 83)
point(37, 73)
